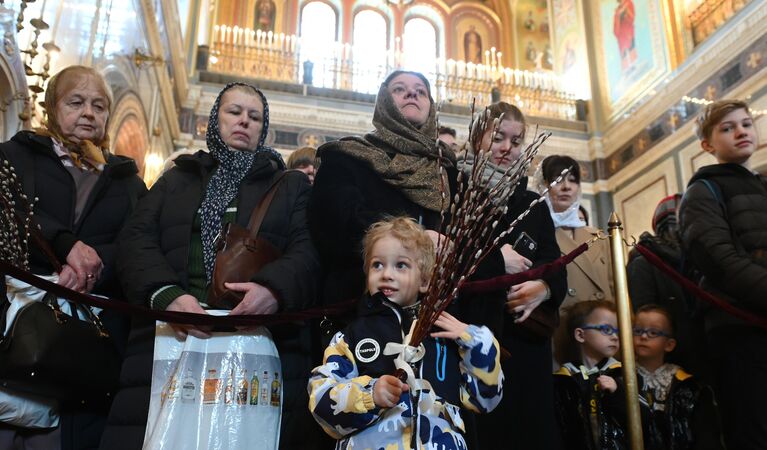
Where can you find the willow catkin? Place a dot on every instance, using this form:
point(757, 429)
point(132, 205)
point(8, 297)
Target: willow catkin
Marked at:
point(472, 227)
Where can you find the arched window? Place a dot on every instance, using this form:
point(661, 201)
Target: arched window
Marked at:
point(318, 36)
point(369, 51)
point(420, 47)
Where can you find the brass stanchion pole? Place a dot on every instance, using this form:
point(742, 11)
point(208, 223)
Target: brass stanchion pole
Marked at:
point(626, 338)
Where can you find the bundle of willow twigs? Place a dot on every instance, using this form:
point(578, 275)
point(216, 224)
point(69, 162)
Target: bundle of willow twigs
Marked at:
point(16, 212)
point(471, 221)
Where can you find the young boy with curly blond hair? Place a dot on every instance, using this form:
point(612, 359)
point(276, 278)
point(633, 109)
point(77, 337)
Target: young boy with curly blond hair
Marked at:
point(354, 395)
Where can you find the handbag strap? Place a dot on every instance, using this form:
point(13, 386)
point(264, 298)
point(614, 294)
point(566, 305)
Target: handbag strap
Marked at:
point(258, 214)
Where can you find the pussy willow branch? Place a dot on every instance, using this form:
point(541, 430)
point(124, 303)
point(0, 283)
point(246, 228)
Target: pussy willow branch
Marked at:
point(15, 218)
point(475, 213)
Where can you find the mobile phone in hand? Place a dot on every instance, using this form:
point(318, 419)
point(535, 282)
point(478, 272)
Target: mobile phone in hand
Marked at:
point(525, 246)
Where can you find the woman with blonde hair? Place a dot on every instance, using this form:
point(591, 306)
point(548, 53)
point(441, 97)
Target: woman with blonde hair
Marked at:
point(85, 194)
point(531, 307)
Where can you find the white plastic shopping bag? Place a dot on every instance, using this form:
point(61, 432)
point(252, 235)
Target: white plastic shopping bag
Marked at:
point(220, 393)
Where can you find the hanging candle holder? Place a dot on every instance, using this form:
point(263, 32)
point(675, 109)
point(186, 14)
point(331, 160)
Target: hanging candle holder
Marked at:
point(20, 19)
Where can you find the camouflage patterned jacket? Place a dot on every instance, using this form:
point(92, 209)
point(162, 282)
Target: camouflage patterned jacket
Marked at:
point(463, 373)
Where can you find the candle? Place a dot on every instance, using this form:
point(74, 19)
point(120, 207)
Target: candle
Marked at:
point(216, 33)
point(282, 42)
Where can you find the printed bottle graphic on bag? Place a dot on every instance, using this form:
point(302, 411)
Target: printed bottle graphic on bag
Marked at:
point(171, 390)
point(276, 390)
point(254, 388)
point(242, 388)
point(188, 387)
point(229, 389)
point(265, 389)
point(211, 389)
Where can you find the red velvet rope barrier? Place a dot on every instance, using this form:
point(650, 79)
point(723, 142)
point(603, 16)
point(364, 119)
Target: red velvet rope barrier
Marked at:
point(500, 283)
point(171, 316)
point(505, 281)
point(698, 292)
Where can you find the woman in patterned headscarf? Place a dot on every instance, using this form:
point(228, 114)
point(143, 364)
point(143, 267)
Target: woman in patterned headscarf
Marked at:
point(167, 249)
point(393, 170)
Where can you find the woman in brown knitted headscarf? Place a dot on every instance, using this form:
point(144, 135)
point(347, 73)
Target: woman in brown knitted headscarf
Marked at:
point(393, 170)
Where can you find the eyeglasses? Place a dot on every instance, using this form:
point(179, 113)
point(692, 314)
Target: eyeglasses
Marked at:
point(651, 333)
point(607, 330)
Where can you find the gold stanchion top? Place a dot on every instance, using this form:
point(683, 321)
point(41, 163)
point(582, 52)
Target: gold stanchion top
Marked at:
point(614, 221)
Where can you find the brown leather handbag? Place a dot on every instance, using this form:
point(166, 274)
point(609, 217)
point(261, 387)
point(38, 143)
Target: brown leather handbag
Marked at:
point(240, 254)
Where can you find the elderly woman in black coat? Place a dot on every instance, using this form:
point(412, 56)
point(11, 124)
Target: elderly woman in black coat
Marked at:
point(85, 195)
point(167, 253)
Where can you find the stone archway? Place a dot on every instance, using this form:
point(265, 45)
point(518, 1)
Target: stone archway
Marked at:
point(128, 129)
point(131, 141)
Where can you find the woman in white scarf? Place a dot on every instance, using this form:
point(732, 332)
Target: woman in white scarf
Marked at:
point(589, 276)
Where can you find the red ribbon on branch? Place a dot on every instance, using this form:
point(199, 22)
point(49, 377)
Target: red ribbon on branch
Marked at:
point(692, 287)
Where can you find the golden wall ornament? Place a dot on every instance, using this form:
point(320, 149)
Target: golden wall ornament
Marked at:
point(710, 15)
point(144, 60)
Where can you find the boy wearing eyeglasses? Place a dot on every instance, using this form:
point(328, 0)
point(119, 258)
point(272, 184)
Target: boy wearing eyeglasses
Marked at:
point(589, 396)
point(684, 414)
